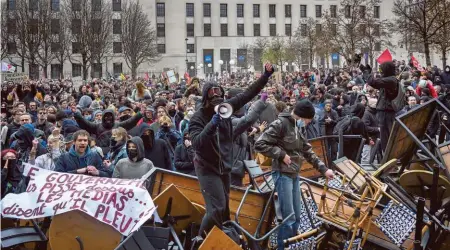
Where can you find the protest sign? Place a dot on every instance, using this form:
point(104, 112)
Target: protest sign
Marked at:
point(171, 76)
point(18, 76)
point(123, 204)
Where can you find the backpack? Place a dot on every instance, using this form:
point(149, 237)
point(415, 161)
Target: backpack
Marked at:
point(344, 125)
point(399, 101)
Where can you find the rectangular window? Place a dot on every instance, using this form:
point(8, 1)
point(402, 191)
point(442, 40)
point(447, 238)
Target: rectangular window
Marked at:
point(117, 47)
point(273, 29)
point(55, 26)
point(240, 10)
point(76, 48)
point(223, 29)
point(55, 47)
point(347, 11)
point(76, 26)
point(96, 70)
point(256, 29)
point(303, 13)
point(318, 28)
point(76, 5)
point(362, 11)
point(11, 5)
point(117, 69)
point(11, 26)
point(76, 69)
point(55, 71)
point(272, 10)
point(206, 29)
point(287, 10)
point(55, 5)
point(240, 29)
point(207, 10)
point(190, 29)
point(377, 46)
point(33, 5)
point(288, 29)
point(190, 48)
point(96, 26)
point(33, 26)
point(189, 9)
point(257, 62)
point(160, 30)
point(117, 5)
point(11, 48)
point(96, 5)
point(160, 9)
point(333, 11)
point(376, 30)
point(33, 71)
point(376, 11)
point(318, 11)
point(303, 29)
point(117, 26)
point(225, 56)
point(161, 48)
point(255, 10)
point(223, 10)
point(333, 29)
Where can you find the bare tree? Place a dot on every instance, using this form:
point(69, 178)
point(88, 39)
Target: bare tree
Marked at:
point(277, 51)
point(63, 44)
point(43, 15)
point(424, 20)
point(91, 31)
point(4, 32)
point(306, 39)
point(442, 40)
point(138, 37)
point(345, 27)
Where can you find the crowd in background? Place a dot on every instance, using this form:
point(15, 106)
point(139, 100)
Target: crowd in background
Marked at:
point(122, 129)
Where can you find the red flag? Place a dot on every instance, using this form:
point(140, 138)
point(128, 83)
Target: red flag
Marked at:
point(384, 57)
point(186, 77)
point(146, 76)
point(416, 64)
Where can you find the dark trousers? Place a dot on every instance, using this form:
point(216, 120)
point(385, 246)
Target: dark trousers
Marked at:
point(385, 121)
point(216, 192)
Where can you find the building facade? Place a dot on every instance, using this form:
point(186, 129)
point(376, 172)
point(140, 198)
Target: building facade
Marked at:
point(212, 36)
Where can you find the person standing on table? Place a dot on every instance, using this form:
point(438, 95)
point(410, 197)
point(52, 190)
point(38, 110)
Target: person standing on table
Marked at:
point(212, 139)
point(287, 146)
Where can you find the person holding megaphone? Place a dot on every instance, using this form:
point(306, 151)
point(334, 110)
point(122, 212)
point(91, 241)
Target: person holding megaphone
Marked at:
point(212, 136)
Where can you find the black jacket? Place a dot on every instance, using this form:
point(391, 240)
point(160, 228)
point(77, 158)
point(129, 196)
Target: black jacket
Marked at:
point(281, 138)
point(46, 127)
point(327, 128)
point(208, 153)
point(388, 86)
point(371, 122)
point(184, 159)
point(158, 151)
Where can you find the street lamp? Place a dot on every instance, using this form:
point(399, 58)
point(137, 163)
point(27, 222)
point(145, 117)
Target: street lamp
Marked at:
point(186, 40)
point(220, 63)
point(232, 62)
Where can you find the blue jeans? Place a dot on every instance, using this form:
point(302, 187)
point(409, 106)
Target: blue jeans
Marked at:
point(288, 190)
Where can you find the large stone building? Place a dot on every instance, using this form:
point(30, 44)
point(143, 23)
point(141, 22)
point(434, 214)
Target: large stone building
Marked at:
point(211, 36)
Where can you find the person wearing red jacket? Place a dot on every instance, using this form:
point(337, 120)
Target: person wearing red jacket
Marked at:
point(426, 84)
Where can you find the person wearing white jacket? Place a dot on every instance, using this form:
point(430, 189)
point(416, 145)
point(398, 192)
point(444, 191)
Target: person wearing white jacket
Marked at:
point(47, 161)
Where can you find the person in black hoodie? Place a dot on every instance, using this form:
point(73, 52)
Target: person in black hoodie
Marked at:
point(102, 131)
point(184, 156)
point(212, 140)
point(388, 86)
point(155, 150)
point(357, 127)
point(327, 122)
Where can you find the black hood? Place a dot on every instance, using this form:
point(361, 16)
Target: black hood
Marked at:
point(147, 140)
point(387, 69)
point(25, 134)
point(358, 110)
point(205, 90)
point(108, 111)
point(140, 147)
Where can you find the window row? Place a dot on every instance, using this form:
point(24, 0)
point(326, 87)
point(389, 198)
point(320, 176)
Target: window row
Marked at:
point(55, 47)
point(190, 10)
point(96, 5)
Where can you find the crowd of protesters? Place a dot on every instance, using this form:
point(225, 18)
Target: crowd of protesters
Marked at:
point(122, 129)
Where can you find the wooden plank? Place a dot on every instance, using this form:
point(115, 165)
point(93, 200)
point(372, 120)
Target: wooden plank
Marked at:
point(94, 234)
point(251, 211)
point(218, 240)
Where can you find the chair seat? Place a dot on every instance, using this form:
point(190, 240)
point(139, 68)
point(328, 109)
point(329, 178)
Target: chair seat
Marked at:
point(136, 241)
point(19, 235)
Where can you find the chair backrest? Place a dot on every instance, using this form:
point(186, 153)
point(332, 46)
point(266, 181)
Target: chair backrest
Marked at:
point(136, 241)
point(158, 236)
point(18, 235)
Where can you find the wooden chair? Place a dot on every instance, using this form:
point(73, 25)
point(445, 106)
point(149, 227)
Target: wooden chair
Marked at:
point(18, 235)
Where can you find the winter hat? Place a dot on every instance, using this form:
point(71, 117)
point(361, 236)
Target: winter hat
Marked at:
point(95, 105)
point(96, 112)
point(422, 83)
point(29, 127)
point(304, 109)
point(123, 108)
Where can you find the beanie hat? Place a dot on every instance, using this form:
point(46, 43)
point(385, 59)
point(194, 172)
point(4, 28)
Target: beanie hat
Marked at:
point(304, 109)
point(29, 127)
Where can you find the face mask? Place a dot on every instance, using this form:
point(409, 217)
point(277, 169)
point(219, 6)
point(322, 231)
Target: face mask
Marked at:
point(216, 101)
point(172, 112)
point(87, 117)
point(112, 142)
point(190, 114)
point(132, 153)
point(300, 123)
point(125, 117)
